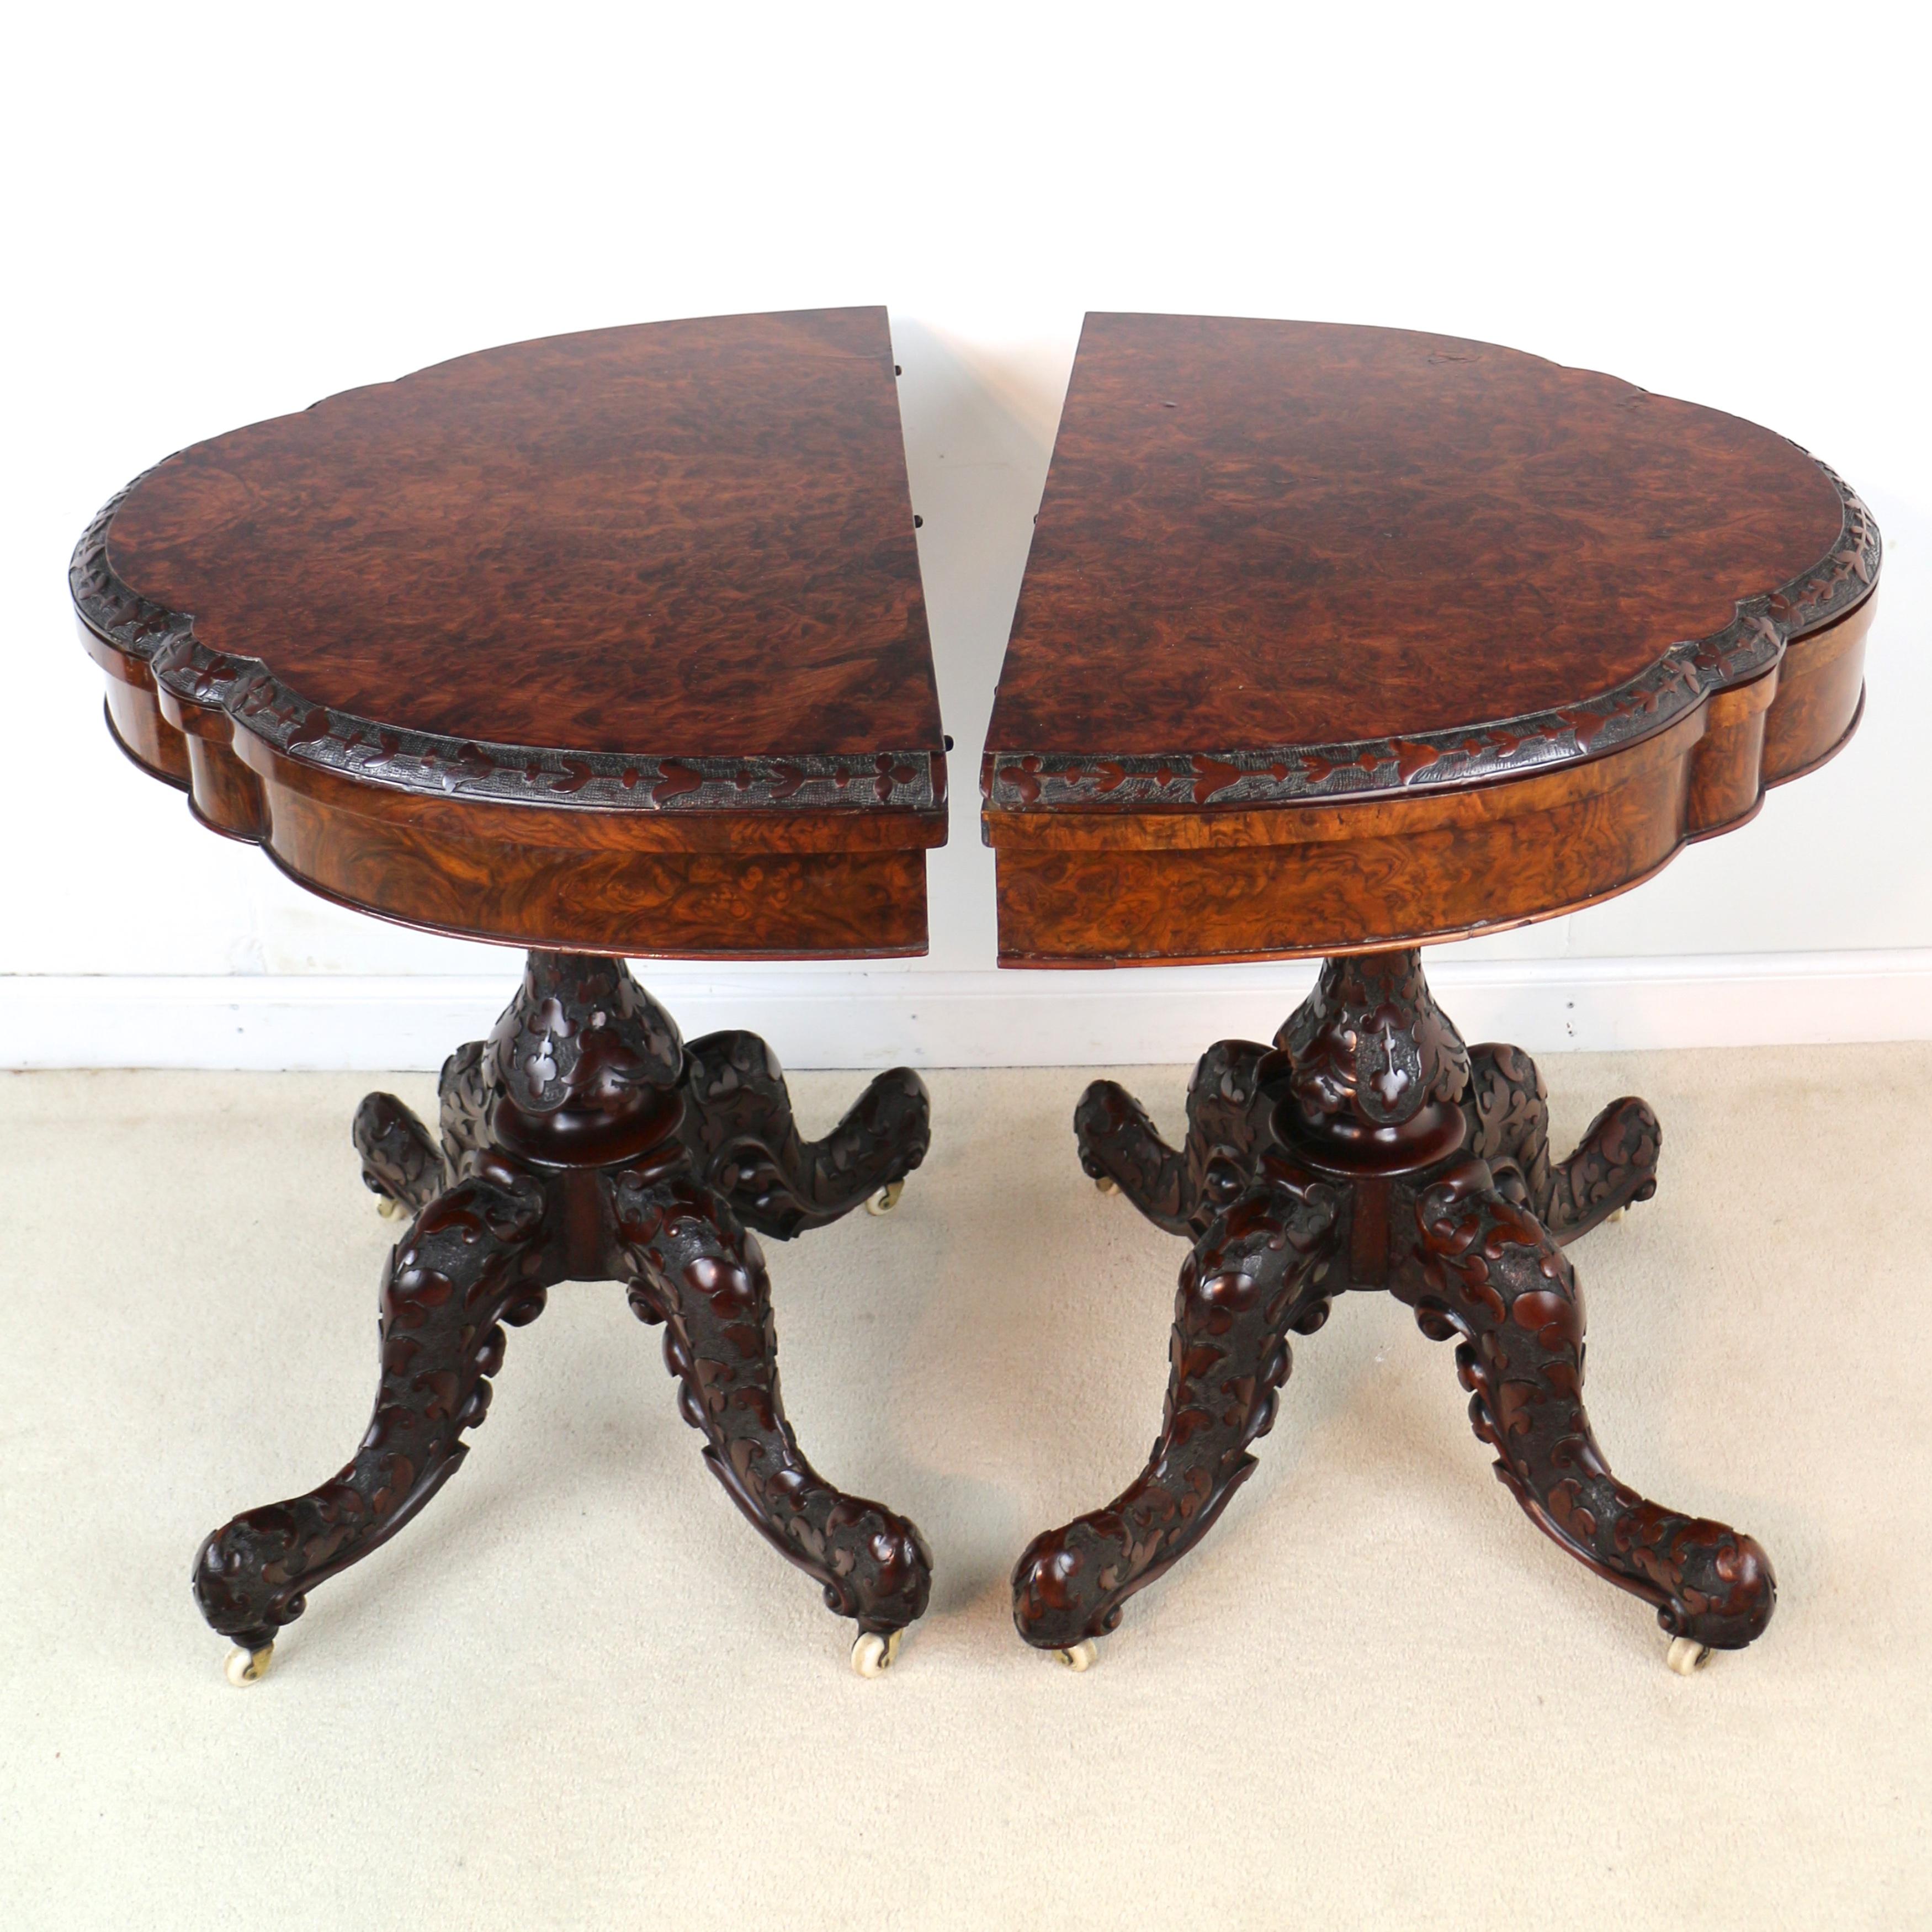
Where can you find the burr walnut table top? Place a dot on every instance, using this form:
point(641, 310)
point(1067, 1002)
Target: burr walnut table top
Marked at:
point(1335, 638)
point(610, 642)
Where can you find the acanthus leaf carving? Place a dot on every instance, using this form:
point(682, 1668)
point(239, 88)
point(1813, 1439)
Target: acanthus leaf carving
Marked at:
point(1677, 681)
point(378, 752)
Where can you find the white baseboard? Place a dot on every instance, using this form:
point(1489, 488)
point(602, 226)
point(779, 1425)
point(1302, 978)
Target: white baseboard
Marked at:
point(860, 1016)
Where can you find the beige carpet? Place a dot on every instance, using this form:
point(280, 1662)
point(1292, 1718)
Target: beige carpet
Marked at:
point(580, 1691)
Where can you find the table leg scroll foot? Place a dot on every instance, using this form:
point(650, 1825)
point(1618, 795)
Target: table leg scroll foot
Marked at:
point(471, 1258)
point(1260, 1268)
point(691, 1266)
point(1615, 1164)
point(1121, 1154)
point(745, 1143)
point(402, 1165)
point(1485, 1270)
point(1507, 1109)
point(1179, 1189)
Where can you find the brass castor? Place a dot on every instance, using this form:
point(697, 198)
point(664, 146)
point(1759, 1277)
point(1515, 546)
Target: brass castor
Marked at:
point(245, 1667)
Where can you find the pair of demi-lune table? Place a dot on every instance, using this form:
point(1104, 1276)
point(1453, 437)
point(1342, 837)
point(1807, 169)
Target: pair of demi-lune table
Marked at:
point(1332, 642)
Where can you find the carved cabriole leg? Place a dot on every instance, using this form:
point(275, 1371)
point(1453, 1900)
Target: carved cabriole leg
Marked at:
point(738, 1125)
point(692, 1268)
point(463, 1094)
point(1615, 1164)
point(1508, 1116)
point(1228, 1103)
point(1483, 1268)
point(474, 1258)
point(401, 1163)
point(1432, 1162)
point(585, 1083)
point(1180, 1191)
point(1118, 1145)
point(1261, 1269)
point(1506, 1107)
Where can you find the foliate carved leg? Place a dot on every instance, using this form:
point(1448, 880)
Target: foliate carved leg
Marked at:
point(1615, 1164)
point(692, 1268)
point(1118, 1143)
point(1180, 1191)
point(1258, 1271)
point(1377, 1151)
point(400, 1163)
point(464, 1094)
point(1483, 1269)
point(1506, 1109)
point(744, 1143)
point(473, 1258)
point(1227, 1122)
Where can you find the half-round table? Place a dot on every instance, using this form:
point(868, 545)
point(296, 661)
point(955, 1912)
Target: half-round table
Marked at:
point(609, 644)
point(1336, 640)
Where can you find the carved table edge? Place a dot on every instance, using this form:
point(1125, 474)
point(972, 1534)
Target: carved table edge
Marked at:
point(1687, 674)
point(162, 644)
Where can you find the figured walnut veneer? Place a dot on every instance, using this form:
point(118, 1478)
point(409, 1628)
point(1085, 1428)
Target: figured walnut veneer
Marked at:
point(1338, 638)
point(613, 642)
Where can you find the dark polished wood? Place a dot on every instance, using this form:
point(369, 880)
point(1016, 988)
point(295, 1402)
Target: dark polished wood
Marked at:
point(613, 641)
point(585, 1140)
point(1369, 1148)
point(1340, 637)
point(1335, 639)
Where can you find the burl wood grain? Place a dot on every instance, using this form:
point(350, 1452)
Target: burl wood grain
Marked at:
point(690, 538)
point(610, 641)
point(1265, 533)
point(1335, 879)
point(1335, 639)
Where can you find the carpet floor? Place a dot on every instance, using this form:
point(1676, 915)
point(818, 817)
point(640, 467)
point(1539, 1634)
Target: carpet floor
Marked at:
point(580, 1691)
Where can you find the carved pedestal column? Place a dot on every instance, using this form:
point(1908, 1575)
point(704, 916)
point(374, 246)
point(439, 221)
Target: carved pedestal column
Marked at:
point(586, 1140)
point(1370, 1148)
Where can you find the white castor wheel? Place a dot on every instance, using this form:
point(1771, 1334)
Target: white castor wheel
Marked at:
point(1080, 1656)
point(872, 1655)
point(1614, 1214)
point(886, 1199)
point(1107, 1184)
point(390, 1208)
point(245, 1667)
point(1687, 1656)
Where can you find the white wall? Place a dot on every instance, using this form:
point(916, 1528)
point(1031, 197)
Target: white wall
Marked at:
point(214, 214)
